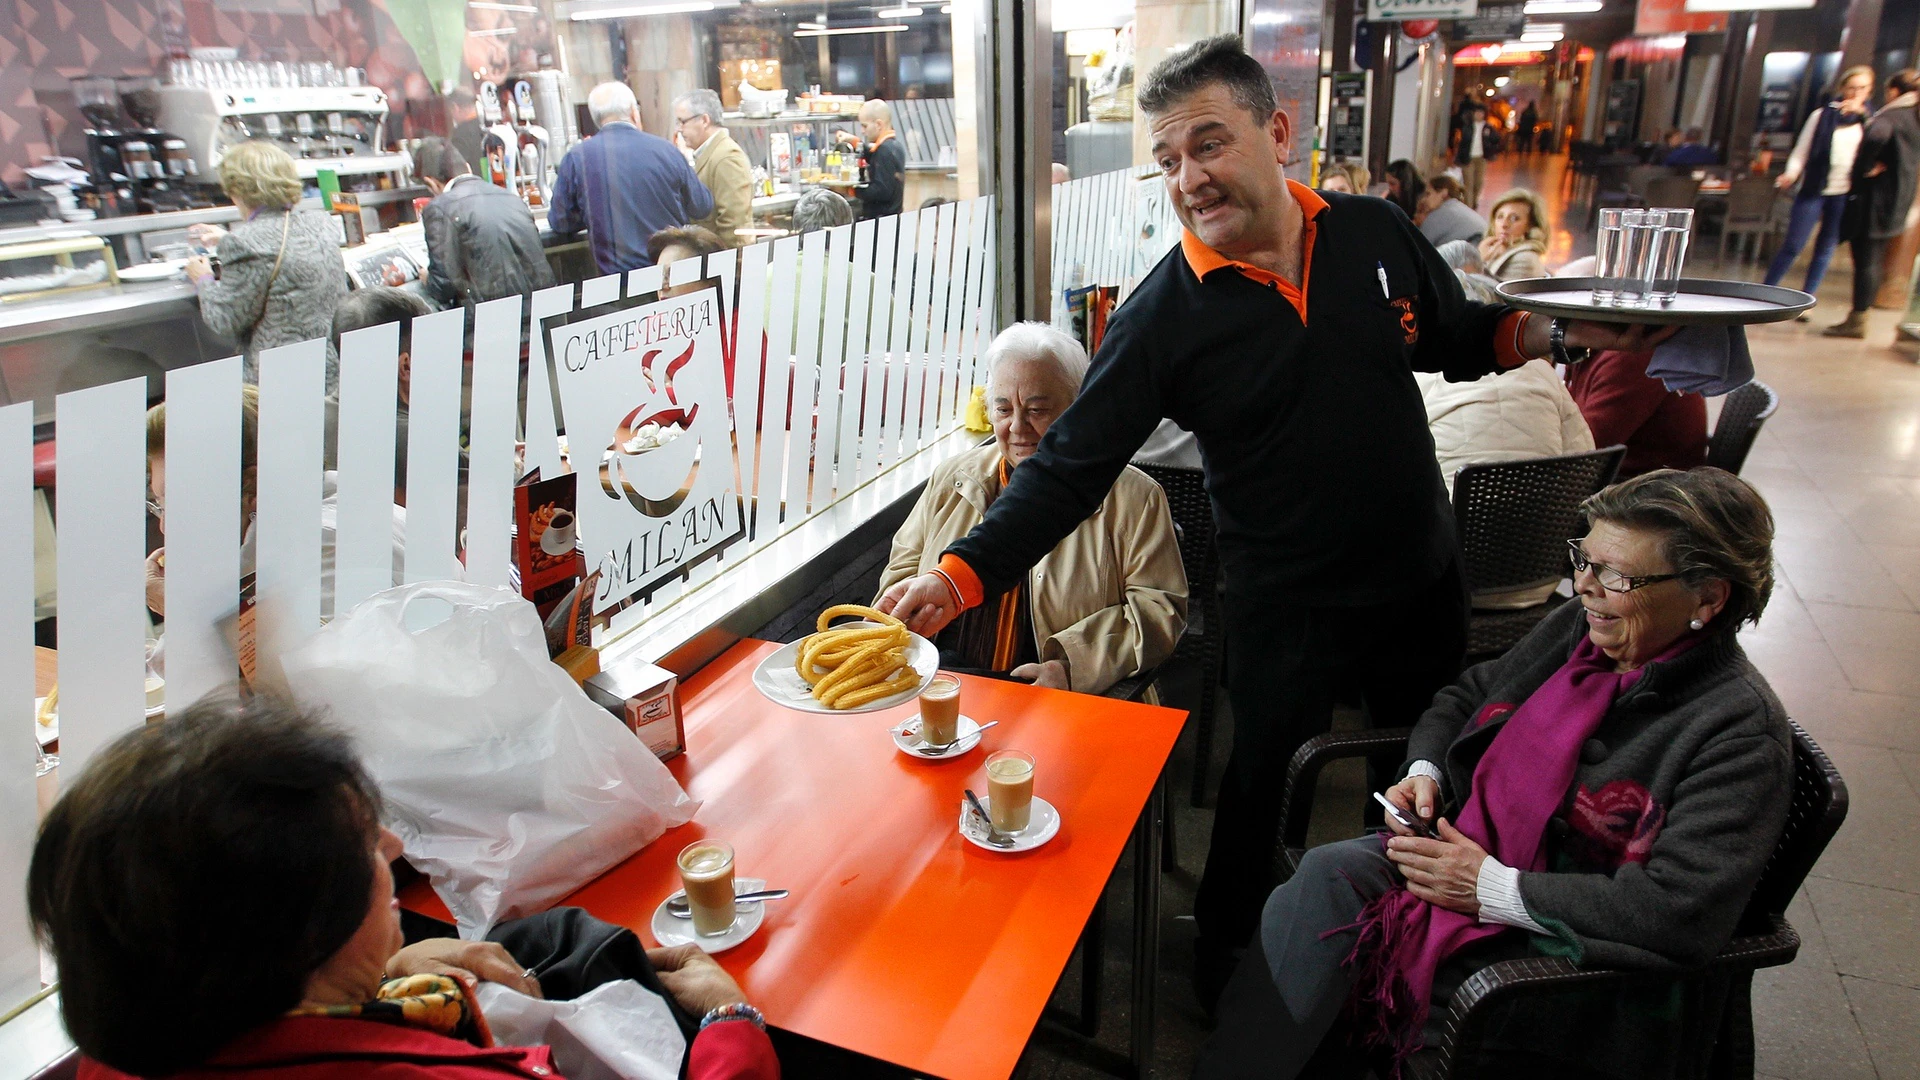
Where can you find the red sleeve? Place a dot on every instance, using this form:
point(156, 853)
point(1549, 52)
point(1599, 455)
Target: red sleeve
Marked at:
point(732, 1050)
point(1615, 395)
point(1506, 340)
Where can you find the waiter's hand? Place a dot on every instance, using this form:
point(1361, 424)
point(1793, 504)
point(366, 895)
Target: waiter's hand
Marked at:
point(1583, 334)
point(924, 603)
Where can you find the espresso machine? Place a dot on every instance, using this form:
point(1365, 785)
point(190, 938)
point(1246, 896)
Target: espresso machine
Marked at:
point(137, 168)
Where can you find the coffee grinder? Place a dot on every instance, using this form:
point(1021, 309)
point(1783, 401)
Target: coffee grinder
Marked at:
point(137, 168)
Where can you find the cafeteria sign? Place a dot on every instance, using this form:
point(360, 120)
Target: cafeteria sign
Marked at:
point(644, 394)
point(1403, 10)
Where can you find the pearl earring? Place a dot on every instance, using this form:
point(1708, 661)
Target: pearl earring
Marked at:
point(1697, 625)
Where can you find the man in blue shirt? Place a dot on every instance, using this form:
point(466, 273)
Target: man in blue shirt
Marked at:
point(1691, 151)
point(623, 185)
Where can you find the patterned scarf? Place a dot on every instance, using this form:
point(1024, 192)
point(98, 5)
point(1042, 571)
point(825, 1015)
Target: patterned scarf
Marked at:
point(1518, 784)
point(428, 1002)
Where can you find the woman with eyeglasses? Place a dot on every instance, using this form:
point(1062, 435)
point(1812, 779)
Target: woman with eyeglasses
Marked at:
point(1607, 792)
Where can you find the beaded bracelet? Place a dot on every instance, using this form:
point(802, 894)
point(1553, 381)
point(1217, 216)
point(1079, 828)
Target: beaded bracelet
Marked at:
point(739, 1010)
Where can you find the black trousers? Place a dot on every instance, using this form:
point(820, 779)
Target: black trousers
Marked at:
point(1869, 256)
point(1285, 665)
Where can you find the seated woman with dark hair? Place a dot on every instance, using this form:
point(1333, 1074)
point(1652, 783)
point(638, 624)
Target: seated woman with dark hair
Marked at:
point(216, 892)
point(1608, 791)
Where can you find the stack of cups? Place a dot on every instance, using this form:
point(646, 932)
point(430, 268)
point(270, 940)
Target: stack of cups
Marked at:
point(1639, 255)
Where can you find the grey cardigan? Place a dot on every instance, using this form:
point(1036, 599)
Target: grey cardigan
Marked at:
point(1676, 805)
point(298, 301)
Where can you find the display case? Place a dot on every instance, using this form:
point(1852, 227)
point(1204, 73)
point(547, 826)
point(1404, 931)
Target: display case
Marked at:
point(50, 267)
point(341, 128)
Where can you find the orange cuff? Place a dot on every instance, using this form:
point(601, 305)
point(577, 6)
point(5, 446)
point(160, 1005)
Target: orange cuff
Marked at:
point(964, 582)
point(1507, 350)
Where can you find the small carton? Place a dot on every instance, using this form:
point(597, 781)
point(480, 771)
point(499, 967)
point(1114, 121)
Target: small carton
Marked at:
point(646, 698)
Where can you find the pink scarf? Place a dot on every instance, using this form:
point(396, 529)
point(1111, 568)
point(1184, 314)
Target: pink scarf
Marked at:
point(1518, 784)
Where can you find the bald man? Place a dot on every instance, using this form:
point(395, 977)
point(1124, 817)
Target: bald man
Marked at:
point(886, 161)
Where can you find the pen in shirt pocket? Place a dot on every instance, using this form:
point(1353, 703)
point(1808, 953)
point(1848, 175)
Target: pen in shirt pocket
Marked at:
point(1385, 293)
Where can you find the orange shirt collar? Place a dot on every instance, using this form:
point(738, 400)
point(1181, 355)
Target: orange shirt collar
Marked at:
point(1203, 260)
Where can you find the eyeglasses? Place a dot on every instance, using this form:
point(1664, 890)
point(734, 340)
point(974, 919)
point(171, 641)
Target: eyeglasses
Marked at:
point(156, 509)
point(1610, 579)
point(683, 121)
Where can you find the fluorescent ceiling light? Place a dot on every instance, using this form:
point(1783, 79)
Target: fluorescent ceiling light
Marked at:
point(1542, 35)
point(1562, 7)
point(1540, 27)
point(1747, 5)
point(1523, 47)
point(813, 26)
point(483, 5)
point(1502, 80)
point(636, 10)
point(898, 13)
point(946, 9)
point(891, 28)
point(498, 31)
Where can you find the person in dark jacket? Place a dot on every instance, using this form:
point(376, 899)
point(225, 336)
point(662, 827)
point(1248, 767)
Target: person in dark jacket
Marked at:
point(1478, 143)
point(623, 185)
point(481, 240)
point(1884, 172)
point(1822, 165)
point(217, 893)
point(1607, 792)
point(886, 161)
point(1523, 135)
point(1624, 406)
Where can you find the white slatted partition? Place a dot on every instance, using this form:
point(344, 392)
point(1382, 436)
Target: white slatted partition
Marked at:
point(19, 958)
point(851, 349)
point(1103, 226)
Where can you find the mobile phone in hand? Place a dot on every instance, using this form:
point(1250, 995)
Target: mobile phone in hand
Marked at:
point(1409, 821)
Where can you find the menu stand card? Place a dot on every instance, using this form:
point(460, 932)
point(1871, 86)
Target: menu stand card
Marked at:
point(545, 549)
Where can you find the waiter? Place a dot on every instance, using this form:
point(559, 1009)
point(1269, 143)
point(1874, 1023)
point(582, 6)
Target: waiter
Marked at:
point(886, 161)
point(1284, 333)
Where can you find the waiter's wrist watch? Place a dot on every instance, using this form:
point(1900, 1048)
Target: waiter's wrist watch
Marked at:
point(1557, 344)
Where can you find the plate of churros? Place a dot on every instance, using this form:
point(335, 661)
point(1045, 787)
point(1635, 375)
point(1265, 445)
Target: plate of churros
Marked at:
point(863, 666)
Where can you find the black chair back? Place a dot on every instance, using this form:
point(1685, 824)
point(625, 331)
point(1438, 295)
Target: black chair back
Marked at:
point(1741, 417)
point(1818, 808)
point(1193, 516)
point(1513, 518)
point(1203, 643)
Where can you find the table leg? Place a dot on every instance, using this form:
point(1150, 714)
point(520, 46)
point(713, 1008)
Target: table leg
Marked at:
point(1148, 833)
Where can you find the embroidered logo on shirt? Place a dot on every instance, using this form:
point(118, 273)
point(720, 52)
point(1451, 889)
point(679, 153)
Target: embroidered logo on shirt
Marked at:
point(1409, 322)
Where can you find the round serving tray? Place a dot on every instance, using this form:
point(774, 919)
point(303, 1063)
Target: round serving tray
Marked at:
point(1702, 301)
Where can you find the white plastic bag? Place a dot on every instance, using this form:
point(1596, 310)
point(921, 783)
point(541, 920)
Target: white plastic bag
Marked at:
point(616, 1031)
point(509, 787)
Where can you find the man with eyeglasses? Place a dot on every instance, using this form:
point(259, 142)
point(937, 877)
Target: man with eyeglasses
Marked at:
point(719, 163)
point(623, 185)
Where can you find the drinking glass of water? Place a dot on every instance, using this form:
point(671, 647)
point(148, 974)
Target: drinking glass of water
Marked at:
point(1609, 250)
point(1637, 227)
point(1668, 258)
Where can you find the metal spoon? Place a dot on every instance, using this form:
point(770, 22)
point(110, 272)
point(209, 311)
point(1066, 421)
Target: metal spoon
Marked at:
point(994, 836)
point(935, 750)
point(679, 908)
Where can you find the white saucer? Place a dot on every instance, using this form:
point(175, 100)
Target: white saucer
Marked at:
point(1042, 825)
point(152, 271)
point(906, 736)
point(747, 917)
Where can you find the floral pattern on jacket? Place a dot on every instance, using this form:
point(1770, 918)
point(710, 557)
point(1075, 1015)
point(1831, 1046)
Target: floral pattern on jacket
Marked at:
point(1613, 826)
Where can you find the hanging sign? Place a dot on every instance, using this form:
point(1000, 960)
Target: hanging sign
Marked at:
point(644, 394)
point(1402, 10)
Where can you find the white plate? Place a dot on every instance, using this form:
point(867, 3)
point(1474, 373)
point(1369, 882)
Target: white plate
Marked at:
point(47, 733)
point(777, 679)
point(907, 737)
point(747, 917)
point(1042, 825)
point(153, 271)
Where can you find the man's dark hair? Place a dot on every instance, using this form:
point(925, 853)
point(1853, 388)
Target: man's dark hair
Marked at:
point(196, 874)
point(438, 160)
point(376, 305)
point(695, 238)
point(1220, 60)
point(1904, 81)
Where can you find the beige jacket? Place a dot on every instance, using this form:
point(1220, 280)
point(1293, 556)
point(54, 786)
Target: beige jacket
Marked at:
point(1109, 602)
point(722, 166)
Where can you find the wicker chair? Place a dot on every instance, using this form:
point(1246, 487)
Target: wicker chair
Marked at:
point(1750, 216)
point(1741, 417)
point(1202, 643)
point(1719, 1021)
point(1513, 519)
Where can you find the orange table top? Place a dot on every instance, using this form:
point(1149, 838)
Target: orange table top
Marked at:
point(901, 941)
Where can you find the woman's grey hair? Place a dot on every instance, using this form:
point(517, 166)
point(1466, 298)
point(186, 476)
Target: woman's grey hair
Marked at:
point(1711, 524)
point(610, 101)
point(1479, 287)
point(1037, 341)
point(821, 209)
point(702, 102)
point(1461, 255)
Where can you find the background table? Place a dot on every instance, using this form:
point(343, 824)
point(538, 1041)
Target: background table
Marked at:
point(903, 941)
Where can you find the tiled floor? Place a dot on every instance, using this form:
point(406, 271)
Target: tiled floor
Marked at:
point(1840, 643)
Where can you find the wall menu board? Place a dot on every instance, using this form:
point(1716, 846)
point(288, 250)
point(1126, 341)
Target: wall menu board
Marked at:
point(1776, 110)
point(1404, 10)
point(1494, 22)
point(1347, 115)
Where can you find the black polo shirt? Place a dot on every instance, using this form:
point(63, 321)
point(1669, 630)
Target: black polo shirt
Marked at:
point(1314, 438)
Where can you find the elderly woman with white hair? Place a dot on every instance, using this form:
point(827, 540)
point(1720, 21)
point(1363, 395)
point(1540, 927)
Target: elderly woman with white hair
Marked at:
point(1106, 604)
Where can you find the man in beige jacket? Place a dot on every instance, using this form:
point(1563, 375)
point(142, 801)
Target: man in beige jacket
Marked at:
point(1106, 604)
point(719, 163)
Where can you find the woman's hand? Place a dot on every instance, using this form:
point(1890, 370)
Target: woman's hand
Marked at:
point(1491, 246)
point(207, 236)
point(1787, 180)
point(1417, 795)
point(469, 962)
point(1443, 872)
point(1050, 673)
point(693, 978)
